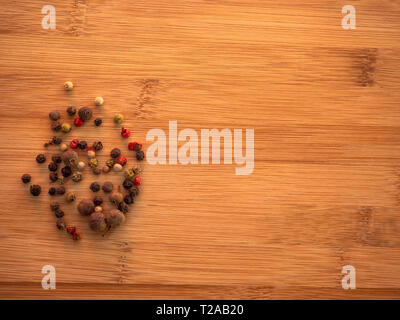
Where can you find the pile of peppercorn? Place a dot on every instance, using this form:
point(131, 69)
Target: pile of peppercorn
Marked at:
point(66, 165)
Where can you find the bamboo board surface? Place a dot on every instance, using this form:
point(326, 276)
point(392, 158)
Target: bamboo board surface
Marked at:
point(324, 104)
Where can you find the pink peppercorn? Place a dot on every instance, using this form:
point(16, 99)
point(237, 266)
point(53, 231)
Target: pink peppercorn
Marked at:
point(137, 181)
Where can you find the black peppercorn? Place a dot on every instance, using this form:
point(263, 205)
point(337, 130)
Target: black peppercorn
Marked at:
point(82, 145)
point(56, 126)
point(85, 113)
point(134, 191)
point(54, 206)
point(61, 225)
point(53, 166)
point(52, 191)
point(60, 190)
point(53, 176)
point(96, 171)
point(115, 153)
point(66, 171)
point(26, 178)
point(95, 187)
point(97, 200)
point(35, 190)
point(56, 158)
point(59, 213)
point(40, 158)
point(123, 207)
point(56, 140)
point(97, 145)
point(140, 155)
point(128, 199)
point(71, 111)
point(54, 115)
point(98, 122)
point(127, 184)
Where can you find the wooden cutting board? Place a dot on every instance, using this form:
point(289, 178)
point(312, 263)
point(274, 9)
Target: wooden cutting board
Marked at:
point(324, 104)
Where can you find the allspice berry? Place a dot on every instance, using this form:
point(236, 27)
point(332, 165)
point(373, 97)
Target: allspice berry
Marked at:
point(107, 186)
point(54, 115)
point(71, 111)
point(26, 178)
point(35, 190)
point(98, 222)
point(86, 207)
point(70, 157)
point(70, 196)
point(115, 153)
point(85, 113)
point(116, 197)
point(114, 218)
point(95, 187)
point(68, 85)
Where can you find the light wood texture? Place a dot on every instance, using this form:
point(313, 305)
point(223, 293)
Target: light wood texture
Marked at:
point(324, 103)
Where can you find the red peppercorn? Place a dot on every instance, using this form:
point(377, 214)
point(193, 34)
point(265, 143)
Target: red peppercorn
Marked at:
point(76, 236)
point(88, 148)
point(78, 122)
point(137, 181)
point(71, 230)
point(125, 132)
point(134, 146)
point(122, 160)
point(74, 144)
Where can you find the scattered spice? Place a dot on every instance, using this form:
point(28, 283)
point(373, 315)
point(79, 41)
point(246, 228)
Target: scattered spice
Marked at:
point(105, 169)
point(122, 160)
point(85, 113)
point(86, 207)
point(70, 158)
point(80, 165)
point(56, 140)
point(63, 147)
point(115, 153)
point(137, 181)
point(98, 222)
point(68, 85)
point(60, 190)
point(35, 190)
point(128, 199)
point(66, 171)
point(56, 158)
point(117, 167)
point(71, 110)
point(107, 186)
point(93, 162)
point(82, 145)
point(110, 163)
point(98, 209)
point(95, 187)
point(56, 126)
point(52, 191)
point(127, 184)
point(53, 176)
point(74, 144)
point(77, 176)
point(134, 146)
point(96, 171)
point(116, 197)
point(97, 145)
point(61, 224)
point(65, 127)
point(114, 218)
point(54, 115)
point(70, 196)
point(78, 122)
point(99, 101)
point(125, 132)
point(97, 200)
point(98, 122)
point(123, 207)
point(91, 154)
point(52, 166)
point(26, 178)
point(54, 206)
point(139, 155)
point(59, 213)
point(118, 118)
point(40, 158)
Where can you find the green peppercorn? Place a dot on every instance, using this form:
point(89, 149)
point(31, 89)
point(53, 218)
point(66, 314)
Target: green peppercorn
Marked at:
point(140, 155)
point(54, 115)
point(35, 190)
point(129, 174)
point(93, 162)
point(40, 158)
point(110, 163)
point(118, 118)
point(65, 127)
point(71, 111)
point(95, 186)
point(53, 166)
point(26, 178)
